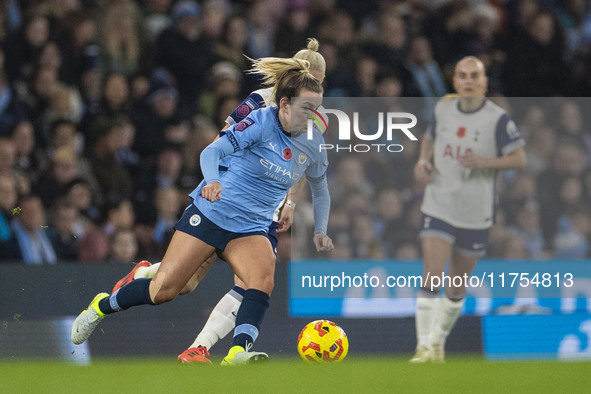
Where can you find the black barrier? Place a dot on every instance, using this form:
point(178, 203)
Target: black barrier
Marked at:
point(39, 303)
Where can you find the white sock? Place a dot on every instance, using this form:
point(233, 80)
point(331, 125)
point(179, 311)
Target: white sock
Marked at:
point(221, 320)
point(426, 310)
point(146, 272)
point(446, 317)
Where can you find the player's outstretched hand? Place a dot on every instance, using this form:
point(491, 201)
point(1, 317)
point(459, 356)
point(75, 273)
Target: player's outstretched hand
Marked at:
point(423, 170)
point(212, 191)
point(471, 160)
point(323, 242)
point(285, 219)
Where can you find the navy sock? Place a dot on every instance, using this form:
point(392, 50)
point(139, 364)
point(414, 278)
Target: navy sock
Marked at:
point(137, 292)
point(239, 290)
point(250, 316)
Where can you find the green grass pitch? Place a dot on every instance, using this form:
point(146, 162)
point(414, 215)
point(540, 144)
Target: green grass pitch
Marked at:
point(354, 375)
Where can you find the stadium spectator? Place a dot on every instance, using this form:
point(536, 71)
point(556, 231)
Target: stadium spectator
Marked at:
point(22, 47)
point(30, 242)
point(569, 161)
point(8, 199)
point(338, 80)
point(164, 173)
point(121, 49)
point(339, 29)
point(527, 227)
point(224, 83)
point(513, 248)
point(115, 99)
point(124, 246)
point(350, 178)
point(571, 16)
point(156, 17)
point(571, 126)
point(7, 156)
point(366, 70)
point(64, 168)
point(389, 221)
point(215, 13)
point(407, 251)
point(260, 24)
point(64, 103)
point(572, 236)
point(104, 163)
point(30, 162)
point(159, 110)
point(541, 150)
point(183, 52)
point(232, 45)
point(366, 246)
point(203, 133)
point(78, 45)
point(425, 71)
point(62, 233)
point(294, 29)
point(388, 49)
point(523, 187)
point(448, 29)
point(79, 194)
point(37, 99)
point(526, 75)
point(12, 109)
point(63, 134)
point(168, 207)
point(50, 57)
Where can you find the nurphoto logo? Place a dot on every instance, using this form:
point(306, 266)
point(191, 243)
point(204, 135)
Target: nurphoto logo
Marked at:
point(388, 124)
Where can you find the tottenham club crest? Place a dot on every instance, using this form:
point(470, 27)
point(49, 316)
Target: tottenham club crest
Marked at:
point(195, 220)
point(302, 158)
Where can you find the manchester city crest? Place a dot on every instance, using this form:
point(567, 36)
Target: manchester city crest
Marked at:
point(302, 158)
point(195, 220)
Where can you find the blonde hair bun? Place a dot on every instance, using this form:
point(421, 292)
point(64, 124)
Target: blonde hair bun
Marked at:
point(313, 44)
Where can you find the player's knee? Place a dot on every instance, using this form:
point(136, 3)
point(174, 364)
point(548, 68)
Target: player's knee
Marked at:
point(189, 287)
point(268, 285)
point(165, 294)
point(264, 284)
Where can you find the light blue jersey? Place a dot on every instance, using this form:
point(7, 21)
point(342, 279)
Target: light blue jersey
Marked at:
point(260, 98)
point(268, 162)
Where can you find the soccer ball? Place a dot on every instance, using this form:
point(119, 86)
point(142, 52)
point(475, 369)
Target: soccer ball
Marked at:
point(322, 340)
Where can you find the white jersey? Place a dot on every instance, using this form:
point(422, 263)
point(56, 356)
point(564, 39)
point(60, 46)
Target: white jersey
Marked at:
point(465, 198)
point(260, 98)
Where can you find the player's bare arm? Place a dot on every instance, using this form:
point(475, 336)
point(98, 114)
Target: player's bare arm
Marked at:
point(424, 166)
point(286, 213)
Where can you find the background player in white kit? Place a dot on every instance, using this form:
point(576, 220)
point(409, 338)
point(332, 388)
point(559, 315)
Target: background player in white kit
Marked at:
point(469, 139)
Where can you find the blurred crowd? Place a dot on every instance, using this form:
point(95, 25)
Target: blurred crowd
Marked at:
point(544, 210)
point(105, 106)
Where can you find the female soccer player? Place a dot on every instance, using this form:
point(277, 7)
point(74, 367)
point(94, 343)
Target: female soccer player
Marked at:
point(469, 140)
point(236, 222)
point(222, 319)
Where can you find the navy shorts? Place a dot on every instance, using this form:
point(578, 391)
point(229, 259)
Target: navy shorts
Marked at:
point(469, 243)
point(196, 224)
point(272, 235)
